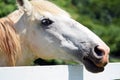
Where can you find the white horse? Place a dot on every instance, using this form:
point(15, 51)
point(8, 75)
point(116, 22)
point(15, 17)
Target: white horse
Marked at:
point(48, 32)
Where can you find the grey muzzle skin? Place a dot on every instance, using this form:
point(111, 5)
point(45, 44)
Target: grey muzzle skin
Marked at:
point(89, 57)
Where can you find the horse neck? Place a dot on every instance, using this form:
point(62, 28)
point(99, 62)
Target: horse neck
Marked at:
point(19, 19)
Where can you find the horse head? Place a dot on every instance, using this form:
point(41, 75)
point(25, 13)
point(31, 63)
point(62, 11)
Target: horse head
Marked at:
point(53, 34)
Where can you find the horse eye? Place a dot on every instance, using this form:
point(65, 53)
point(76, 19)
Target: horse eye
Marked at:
point(46, 22)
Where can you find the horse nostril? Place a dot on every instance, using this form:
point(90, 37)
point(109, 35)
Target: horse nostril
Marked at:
point(99, 53)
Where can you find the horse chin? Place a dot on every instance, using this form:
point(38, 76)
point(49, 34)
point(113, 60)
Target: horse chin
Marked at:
point(90, 66)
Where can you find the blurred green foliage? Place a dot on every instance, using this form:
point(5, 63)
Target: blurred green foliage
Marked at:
point(6, 6)
point(101, 16)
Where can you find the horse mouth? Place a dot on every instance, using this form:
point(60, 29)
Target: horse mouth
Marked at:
point(91, 66)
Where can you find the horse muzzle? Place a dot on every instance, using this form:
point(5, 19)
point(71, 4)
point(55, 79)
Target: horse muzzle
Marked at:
point(97, 59)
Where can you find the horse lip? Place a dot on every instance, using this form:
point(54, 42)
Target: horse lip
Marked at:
point(97, 62)
point(91, 66)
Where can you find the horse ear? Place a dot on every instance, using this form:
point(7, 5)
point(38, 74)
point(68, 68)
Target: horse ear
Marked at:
point(20, 2)
point(24, 4)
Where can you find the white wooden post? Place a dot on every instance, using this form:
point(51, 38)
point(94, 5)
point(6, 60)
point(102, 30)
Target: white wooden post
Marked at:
point(112, 72)
point(58, 72)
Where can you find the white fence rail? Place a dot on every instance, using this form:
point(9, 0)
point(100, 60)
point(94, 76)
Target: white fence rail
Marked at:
point(60, 72)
